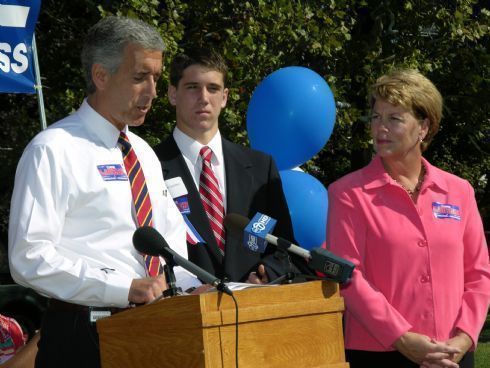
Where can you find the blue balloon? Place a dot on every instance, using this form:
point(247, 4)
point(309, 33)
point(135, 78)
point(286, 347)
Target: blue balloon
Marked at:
point(307, 200)
point(291, 115)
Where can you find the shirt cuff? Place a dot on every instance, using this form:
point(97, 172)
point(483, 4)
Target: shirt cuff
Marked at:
point(116, 293)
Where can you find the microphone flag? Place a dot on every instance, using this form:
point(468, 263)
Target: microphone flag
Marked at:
point(256, 231)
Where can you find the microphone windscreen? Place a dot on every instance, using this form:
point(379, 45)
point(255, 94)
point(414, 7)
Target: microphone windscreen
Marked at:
point(147, 240)
point(236, 223)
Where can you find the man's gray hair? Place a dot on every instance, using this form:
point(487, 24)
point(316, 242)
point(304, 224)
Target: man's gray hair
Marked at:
point(106, 40)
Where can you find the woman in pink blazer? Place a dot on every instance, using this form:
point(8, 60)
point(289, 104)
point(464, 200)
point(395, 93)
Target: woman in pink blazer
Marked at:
point(421, 288)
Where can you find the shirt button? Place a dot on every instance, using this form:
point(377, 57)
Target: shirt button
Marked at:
point(424, 279)
point(422, 243)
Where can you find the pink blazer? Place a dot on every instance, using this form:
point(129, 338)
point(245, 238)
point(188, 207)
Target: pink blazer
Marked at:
point(420, 267)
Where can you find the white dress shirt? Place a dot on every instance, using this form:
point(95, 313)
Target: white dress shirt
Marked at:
point(72, 218)
point(190, 149)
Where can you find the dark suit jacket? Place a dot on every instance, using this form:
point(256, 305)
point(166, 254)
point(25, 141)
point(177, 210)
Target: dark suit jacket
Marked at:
point(253, 185)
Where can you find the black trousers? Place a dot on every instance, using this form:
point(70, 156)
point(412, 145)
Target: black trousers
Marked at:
point(392, 359)
point(68, 339)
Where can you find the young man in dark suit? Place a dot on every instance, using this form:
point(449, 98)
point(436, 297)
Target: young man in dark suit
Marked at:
point(246, 181)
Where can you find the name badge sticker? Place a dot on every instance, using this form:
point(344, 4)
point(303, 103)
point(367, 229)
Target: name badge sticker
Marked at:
point(112, 172)
point(178, 191)
point(445, 210)
point(182, 204)
point(176, 187)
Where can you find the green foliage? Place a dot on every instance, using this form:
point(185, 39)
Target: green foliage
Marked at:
point(349, 42)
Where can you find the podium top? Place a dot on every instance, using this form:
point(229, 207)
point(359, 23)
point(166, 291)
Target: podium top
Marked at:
point(214, 308)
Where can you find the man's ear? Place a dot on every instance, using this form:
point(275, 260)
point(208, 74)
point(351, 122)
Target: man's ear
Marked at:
point(172, 95)
point(225, 97)
point(100, 76)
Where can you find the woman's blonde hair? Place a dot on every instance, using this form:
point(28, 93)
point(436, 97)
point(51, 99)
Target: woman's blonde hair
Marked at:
point(413, 91)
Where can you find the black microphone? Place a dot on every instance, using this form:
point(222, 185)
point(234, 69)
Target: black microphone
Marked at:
point(168, 270)
point(148, 240)
point(319, 259)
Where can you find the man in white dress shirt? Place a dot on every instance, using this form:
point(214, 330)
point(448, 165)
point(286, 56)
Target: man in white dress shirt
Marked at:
point(72, 212)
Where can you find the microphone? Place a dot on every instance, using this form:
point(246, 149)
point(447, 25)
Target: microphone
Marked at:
point(319, 259)
point(148, 240)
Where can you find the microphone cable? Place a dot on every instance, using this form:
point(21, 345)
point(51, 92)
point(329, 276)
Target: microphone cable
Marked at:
point(236, 330)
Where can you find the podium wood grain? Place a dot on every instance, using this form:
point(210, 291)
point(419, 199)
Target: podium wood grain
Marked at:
point(297, 325)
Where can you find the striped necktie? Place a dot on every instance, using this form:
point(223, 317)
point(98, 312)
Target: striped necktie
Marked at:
point(141, 198)
point(211, 197)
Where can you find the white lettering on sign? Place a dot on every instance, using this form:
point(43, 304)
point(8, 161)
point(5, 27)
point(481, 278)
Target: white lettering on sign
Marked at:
point(20, 61)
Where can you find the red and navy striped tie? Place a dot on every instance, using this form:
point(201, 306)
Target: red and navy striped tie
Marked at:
point(141, 198)
point(211, 197)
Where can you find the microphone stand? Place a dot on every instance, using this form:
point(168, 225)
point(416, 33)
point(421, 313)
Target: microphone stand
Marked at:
point(168, 270)
point(288, 278)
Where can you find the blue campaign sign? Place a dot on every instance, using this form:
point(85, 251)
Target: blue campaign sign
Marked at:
point(17, 23)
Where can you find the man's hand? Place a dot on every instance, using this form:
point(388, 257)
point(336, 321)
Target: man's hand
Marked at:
point(259, 277)
point(147, 289)
point(204, 288)
point(426, 352)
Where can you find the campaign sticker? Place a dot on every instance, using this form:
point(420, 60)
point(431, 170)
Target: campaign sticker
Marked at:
point(444, 210)
point(183, 205)
point(112, 172)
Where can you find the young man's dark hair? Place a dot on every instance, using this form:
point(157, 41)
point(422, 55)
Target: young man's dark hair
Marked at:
point(207, 58)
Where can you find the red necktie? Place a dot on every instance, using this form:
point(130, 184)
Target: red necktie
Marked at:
point(211, 197)
point(141, 198)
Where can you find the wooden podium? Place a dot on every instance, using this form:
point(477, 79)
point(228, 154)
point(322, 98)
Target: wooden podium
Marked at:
point(298, 325)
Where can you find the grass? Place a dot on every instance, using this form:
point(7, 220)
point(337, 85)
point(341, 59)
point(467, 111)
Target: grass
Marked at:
point(482, 354)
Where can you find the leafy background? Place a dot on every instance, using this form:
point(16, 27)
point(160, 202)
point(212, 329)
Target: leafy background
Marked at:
point(350, 43)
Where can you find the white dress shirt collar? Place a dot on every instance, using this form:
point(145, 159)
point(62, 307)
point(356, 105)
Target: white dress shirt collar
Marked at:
point(99, 127)
point(190, 148)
